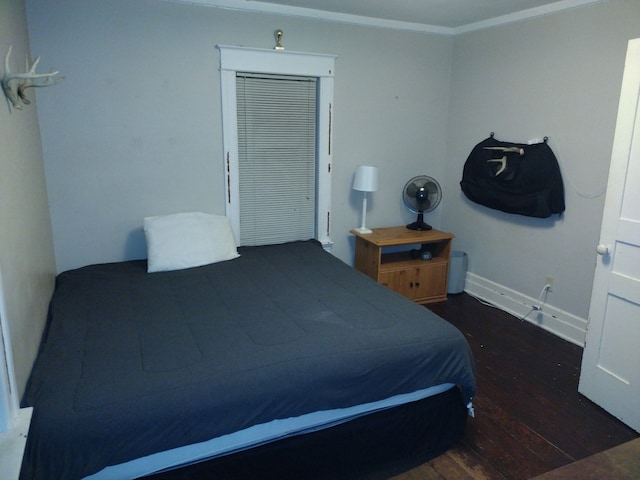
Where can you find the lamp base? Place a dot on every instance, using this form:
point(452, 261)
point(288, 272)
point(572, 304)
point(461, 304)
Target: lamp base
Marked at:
point(362, 230)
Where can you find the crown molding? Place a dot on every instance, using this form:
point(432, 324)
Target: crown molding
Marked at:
point(549, 9)
point(286, 10)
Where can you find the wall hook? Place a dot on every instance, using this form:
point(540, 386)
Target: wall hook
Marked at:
point(15, 84)
point(278, 34)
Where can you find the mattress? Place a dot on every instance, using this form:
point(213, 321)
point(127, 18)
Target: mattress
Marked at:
point(132, 363)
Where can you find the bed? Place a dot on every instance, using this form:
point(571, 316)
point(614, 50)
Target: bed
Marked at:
point(139, 372)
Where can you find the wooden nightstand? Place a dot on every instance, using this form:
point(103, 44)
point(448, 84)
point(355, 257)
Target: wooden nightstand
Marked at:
point(423, 281)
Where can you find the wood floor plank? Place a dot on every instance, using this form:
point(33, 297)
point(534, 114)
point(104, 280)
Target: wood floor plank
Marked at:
point(472, 466)
point(618, 463)
point(423, 472)
point(530, 417)
point(526, 441)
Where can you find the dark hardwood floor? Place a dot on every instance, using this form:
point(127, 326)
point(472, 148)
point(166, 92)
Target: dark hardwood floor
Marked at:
point(530, 417)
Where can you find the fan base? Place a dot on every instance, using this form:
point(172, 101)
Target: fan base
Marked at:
point(419, 226)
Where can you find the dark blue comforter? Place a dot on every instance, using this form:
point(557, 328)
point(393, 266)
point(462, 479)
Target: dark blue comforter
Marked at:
point(133, 363)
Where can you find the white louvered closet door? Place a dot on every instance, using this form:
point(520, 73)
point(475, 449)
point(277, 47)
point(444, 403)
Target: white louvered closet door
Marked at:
point(276, 158)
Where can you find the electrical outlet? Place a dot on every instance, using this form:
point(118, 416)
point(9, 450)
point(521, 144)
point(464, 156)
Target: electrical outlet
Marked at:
point(549, 281)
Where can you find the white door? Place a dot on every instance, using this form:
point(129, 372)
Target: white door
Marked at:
point(610, 373)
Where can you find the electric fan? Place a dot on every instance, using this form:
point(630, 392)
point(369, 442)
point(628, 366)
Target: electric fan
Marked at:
point(421, 194)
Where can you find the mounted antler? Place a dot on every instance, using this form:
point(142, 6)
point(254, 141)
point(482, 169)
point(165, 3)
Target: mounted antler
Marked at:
point(14, 84)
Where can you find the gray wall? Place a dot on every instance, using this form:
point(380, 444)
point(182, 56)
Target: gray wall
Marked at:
point(27, 266)
point(135, 130)
point(557, 76)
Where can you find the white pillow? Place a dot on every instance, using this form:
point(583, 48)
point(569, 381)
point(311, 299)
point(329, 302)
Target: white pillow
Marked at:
point(185, 240)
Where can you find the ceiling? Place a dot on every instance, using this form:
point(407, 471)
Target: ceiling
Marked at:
point(437, 16)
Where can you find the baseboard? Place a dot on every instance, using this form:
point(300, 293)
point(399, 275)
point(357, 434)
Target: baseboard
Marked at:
point(563, 324)
point(12, 443)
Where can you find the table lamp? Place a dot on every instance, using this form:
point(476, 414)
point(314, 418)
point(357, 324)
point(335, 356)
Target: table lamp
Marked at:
point(366, 180)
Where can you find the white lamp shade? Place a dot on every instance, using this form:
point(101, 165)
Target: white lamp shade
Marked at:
point(366, 179)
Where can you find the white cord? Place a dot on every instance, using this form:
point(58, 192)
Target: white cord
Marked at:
point(538, 306)
point(567, 175)
point(483, 302)
point(544, 289)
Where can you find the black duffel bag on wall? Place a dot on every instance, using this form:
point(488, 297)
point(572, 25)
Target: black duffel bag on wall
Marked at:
point(514, 178)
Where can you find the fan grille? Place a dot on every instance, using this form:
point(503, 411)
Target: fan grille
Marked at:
point(421, 194)
point(412, 190)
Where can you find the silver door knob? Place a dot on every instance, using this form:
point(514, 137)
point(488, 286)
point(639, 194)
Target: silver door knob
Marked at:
point(603, 249)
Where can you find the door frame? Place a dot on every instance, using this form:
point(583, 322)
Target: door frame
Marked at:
point(255, 60)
